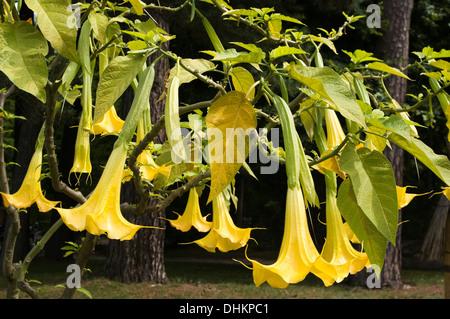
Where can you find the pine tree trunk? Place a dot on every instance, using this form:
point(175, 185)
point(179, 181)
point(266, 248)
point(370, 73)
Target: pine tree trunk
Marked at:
point(396, 50)
point(142, 258)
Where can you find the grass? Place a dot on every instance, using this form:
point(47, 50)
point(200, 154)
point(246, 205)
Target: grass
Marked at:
point(196, 279)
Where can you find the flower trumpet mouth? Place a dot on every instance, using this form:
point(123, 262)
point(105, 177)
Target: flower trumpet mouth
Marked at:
point(101, 212)
point(224, 234)
point(192, 216)
point(30, 191)
point(338, 250)
point(298, 255)
point(109, 123)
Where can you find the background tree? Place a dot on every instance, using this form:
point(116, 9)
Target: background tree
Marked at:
point(142, 258)
point(395, 48)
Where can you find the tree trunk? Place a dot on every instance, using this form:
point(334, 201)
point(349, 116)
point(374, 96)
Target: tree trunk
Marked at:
point(396, 50)
point(142, 258)
point(447, 258)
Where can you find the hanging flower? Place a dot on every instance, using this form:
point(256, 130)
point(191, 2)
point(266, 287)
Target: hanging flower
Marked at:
point(338, 250)
point(109, 123)
point(192, 216)
point(101, 212)
point(405, 198)
point(224, 235)
point(30, 191)
point(335, 133)
point(82, 157)
point(298, 255)
point(148, 167)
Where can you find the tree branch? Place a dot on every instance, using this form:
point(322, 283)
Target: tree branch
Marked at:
point(49, 143)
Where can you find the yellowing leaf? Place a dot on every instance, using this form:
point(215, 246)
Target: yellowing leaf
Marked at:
point(229, 118)
point(243, 81)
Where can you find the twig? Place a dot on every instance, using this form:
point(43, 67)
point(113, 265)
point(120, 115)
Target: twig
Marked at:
point(178, 192)
point(142, 145)
point(57, 184)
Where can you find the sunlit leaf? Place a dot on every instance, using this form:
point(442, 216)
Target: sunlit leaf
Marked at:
point(374, 187)
point(373, 241)
point(22, 57)
point(53, 19)
point(115, 79)
point(229, 117)
point(328, 85)
point(243, 81)
point(379, 66)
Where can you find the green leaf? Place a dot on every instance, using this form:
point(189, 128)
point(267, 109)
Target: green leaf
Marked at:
point(231, 55)
point(137, 6)
point(277, 16)
point(379, 66)
point(331, 88)
point(284, 50)
point(22, 57)
point(325, 41)
point(438, 164)
point(373, 241)
point(115, 79)
point(242, 81)
point(53, 19)
point(99, 23)
point(374, 186)
point(234, 112)
point(399, 133)
point(85, 292)
point(359, 56)
point(199, 65)
point(441, 64)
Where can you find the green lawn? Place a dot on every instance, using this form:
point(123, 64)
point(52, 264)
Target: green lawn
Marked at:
point(220, 280)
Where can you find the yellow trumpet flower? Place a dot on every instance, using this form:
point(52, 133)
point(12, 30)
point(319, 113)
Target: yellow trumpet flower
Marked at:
point(82, 157)
point(405, 198)
point(335, 133)
point(224, 234)
point(298, 255)
point(30, 191)
point(109, 123)
point(101, 212)
point(338, 250)
point(192, 216)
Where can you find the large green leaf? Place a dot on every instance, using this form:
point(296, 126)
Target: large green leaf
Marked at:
point(373, 241)
point(22, 57)
point(399, 133)
point(53, 19)
point(330, 87)
point(115, 79)
point(438, 164)
point(229, 116)
point(374, 186)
